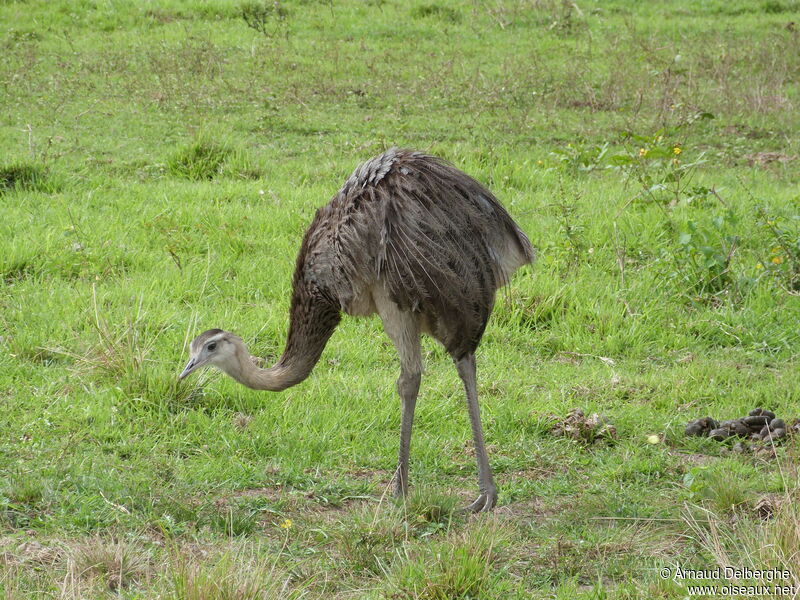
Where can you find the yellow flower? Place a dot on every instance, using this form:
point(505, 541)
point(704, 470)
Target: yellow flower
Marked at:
point(777, 260)
point(287, 524)
point(759, 266)
point(677, 150)
point(643, 151)
point(539, 162)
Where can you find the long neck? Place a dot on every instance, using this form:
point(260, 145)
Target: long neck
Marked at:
point(312, 321)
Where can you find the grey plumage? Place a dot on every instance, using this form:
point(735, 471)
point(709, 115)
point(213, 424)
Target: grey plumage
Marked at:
point(417, 241)
point(437, 240)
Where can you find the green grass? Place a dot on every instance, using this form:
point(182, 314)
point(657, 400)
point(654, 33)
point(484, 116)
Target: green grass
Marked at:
point(161, 161)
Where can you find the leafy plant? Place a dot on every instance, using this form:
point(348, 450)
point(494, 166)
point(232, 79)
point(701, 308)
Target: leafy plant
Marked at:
point(702, 259)
point(367, 539)
point(656, 163)
point(573, 231)
point(26, 176)
point(460, 567)
point(581, 158)
point(719, 490)
point(265, 17)
point(202, 159)
point(437, 11)
point(783, 258)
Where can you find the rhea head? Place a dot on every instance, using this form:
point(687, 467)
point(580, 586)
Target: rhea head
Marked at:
point(215, 348)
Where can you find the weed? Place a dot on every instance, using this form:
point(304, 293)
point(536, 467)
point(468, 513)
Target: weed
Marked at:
point(20, 582)
point(429, 511)
point(17, 270)
point(121, 354)
point(25, 176)
point(460, 568)
point(721, 491)
point(582, 158)
point(199, 160)
point(572, 230)
point(15, 515)
point(773, 7)
point(538, 312)
point(703, 259)
point(206, 158)
point(233, 522)
point(445, 13)
point(178, 516)
point(783, 258)
point(23, 491)
point(116, 563)
point(243, 576)
point(560, 16)
point(657, 163)
point(266, 17)
point(367, 539)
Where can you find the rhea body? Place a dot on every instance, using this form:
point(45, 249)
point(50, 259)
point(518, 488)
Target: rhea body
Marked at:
point(420, 243)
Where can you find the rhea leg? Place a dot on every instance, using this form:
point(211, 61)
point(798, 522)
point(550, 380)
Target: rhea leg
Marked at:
point(488, 491)
point(407, 388)
point(403, 330)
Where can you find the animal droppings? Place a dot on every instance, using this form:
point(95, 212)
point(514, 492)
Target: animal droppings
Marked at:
point(759, 426)
point(582, 428)
point(701, 427)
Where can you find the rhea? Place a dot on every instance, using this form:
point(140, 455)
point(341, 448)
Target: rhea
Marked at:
point(420, 243)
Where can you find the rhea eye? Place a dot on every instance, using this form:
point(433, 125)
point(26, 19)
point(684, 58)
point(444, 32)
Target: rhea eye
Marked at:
point(212, 346)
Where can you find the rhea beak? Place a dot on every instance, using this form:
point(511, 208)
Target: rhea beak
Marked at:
point(189, 368)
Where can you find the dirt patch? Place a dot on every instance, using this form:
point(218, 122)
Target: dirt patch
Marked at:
point(762, 159)
point(528, 473)
point(380, 476)
point(273, 493)
point(693, 458)
point(532, 508)
point(30, 551)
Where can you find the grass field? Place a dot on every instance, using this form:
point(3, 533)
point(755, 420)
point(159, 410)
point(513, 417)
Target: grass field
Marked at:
point(160, 162)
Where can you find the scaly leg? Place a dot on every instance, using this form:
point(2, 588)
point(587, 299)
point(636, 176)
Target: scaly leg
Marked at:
point(488, 496)
point(403, 330)
point(407, 388)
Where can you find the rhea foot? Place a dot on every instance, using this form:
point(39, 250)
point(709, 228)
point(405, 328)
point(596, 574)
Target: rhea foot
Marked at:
point(484, 503)
point(400, 490)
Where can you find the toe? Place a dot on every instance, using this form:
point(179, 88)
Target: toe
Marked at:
point(484, 503)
